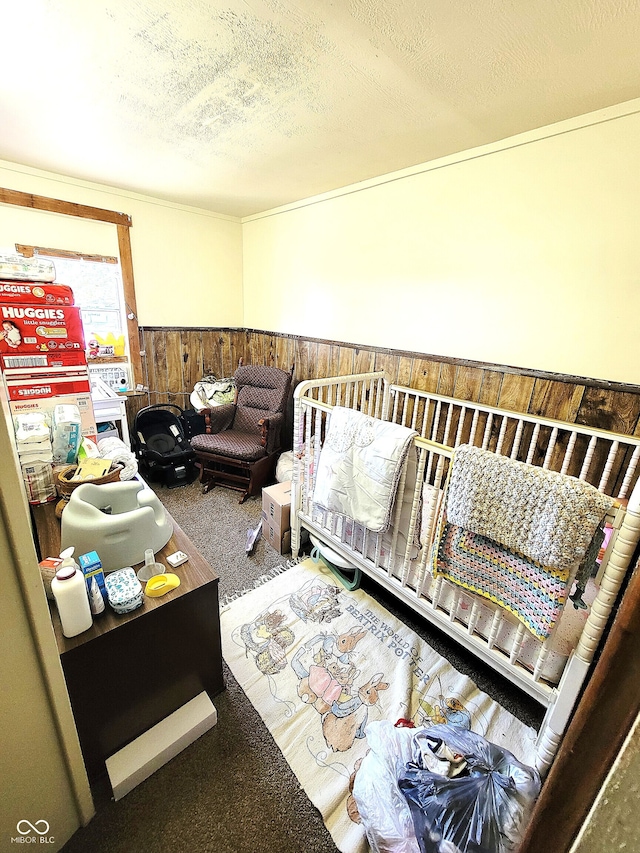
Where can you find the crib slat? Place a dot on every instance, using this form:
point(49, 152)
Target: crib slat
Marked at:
point(447, 425)
point(453, 607)
point(586, 464)
point(533, 443)
point(437, 592)
point(495, 627)
point(517, 439)
point(425, 417)
point(518, 640)
point(436, 421)
point(631, 470)
point(503, 429)
point(473, 617)
point(613, 451)
point(487, 431)
point(541, 659)
point(463, 412)
point(550, 448)
point(569, 452)
point(474, 426)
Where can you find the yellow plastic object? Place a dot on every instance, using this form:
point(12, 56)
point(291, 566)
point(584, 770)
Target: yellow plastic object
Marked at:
point(159, 584)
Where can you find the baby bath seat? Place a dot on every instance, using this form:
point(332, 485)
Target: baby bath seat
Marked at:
point(118, 520)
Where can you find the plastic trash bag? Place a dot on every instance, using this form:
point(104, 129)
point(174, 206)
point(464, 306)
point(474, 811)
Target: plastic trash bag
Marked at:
point(480, 805)
point(441, 789)
point(385, 813)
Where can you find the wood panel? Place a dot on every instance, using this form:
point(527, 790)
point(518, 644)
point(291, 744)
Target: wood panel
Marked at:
point(341, 360)
point(363, 360)
point(491, 387)
point(468, 383)
point(447, 379)
point(425, 375)
point(192, 357)
point(515, 392)
point(176, 385)
point(558, 400)
point(389, 363)
point(217, 351)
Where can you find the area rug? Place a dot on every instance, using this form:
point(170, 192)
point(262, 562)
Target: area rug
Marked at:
point(319, 662)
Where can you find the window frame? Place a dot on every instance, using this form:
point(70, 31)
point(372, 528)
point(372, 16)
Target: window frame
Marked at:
point(123, 223)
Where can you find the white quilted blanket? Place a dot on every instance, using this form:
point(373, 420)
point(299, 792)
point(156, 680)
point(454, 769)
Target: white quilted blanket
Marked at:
point(547, 516)
point(360, 466)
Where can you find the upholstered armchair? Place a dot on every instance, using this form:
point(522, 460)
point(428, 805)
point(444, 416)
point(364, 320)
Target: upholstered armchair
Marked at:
point(242, 440)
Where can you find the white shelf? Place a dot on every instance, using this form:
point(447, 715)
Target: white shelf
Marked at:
point(113, 409)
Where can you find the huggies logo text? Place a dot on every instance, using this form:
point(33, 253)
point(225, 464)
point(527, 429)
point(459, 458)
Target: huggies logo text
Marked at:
point(10, 312)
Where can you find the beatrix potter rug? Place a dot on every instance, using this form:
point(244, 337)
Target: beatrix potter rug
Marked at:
point(319, 662)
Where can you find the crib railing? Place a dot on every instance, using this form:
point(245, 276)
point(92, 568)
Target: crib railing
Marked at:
point(399, 559)
point(606, 460)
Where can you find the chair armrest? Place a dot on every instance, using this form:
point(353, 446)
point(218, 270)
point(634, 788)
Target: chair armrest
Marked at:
point(218, 418)
point(270, 429)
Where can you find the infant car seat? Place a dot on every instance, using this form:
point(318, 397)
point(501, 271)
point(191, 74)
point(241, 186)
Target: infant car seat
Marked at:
point(161, 447)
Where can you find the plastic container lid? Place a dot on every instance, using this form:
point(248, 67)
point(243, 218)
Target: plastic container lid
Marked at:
point(65, 573)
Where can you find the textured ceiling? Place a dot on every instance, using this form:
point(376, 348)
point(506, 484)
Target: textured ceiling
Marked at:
point(239, 106)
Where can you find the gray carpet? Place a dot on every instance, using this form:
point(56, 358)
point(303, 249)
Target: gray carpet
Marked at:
point(232, 791)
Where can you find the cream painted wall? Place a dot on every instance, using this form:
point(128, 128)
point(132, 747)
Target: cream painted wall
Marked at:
point(187, 262)
point(526, 256)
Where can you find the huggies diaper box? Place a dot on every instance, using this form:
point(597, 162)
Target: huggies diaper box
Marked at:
point(34, 293)
point(53, 332)
point(31, 391)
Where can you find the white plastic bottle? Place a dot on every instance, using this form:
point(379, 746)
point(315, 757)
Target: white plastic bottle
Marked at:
point(69, 589)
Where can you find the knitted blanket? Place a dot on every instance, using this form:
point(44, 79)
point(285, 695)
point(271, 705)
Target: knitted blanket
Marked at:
point(533, 593)
point(360, 466)
point(546, 516)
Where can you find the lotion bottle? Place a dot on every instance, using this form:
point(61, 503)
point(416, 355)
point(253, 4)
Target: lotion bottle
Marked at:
point(69, 589)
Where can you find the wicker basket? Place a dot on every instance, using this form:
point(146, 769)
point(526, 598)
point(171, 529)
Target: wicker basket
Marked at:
point(65, 486)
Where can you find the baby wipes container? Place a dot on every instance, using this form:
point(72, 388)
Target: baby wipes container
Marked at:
point(70, 593)
point(66, 432)
point(124, 590)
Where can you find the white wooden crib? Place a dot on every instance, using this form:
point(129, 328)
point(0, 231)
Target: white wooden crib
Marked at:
point(552, 671)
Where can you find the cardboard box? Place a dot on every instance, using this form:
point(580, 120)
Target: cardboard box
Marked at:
point(35, 293)
point(278, 539)
point(92, 568)
point(276, 505)
point(42, 391)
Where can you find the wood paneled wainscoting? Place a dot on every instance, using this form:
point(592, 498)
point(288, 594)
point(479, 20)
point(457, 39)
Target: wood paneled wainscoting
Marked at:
point(174, 359)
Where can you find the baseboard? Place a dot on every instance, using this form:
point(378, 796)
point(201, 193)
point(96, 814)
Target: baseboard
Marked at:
point(139, 759)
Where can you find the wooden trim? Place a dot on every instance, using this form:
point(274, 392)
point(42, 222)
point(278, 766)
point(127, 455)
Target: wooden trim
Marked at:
point(30, 251)
point(123, 223)
point(603, 718)
point(131, 310)
point(68, 208)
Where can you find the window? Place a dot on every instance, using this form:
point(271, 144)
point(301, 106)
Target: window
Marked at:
point(122, 223)
point(97, 288)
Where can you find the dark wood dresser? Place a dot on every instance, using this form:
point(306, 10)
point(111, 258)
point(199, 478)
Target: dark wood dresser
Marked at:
point(128, 672)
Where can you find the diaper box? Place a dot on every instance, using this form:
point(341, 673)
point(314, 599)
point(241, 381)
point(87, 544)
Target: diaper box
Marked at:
point(40, 328)
point(35, 293)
